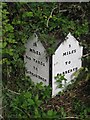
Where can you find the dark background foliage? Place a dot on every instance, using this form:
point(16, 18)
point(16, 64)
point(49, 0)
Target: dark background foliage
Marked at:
point(50, 21)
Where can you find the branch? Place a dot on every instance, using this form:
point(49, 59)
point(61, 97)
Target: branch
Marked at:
point(86, 55)
point(3, 107)
point(50, 15)
point(23, 111)
point(62, 10)
point(10, 91)
point(13, 92)
point(1, 117)
point(71, 117)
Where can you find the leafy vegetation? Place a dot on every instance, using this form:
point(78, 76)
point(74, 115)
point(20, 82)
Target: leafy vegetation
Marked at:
point(21, 97)
point(61, 81)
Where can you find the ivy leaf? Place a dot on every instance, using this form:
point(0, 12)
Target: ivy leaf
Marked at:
point(27, 14)
point(0, 33)
point(51, 113)
point(0, 62)
point(0, 44)
point(31, 102)
point(4, 44)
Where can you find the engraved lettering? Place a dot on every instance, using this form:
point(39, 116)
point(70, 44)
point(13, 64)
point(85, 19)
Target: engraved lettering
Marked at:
point(34, 59)
point(69, 71)
point(74, 69)
point(69, 45)
point(36, 52)
point(36, 75)
point(38, 62)
point(65, 72)
point(64, 53)
point(35, 44)
point(39, 53)
point(28, 57)
point(75, 51)
point(35, 68)
point(30, 49)
point(67, 62)
point(43, 64)
point(69, 52)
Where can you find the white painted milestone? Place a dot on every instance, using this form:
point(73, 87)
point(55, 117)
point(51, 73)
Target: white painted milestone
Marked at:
point(66, 60)
point(37, 65)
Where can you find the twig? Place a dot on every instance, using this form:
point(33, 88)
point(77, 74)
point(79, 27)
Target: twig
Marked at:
point(50, 15)
point(23, 112)
point(13, 92)
point(3, 107)
point(1, 89)
point(86, 55)
point(62, 10)
point(71, 117)
point(1, 117)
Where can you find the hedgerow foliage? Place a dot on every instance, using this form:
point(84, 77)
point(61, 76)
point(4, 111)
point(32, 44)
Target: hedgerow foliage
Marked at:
point(19, 22)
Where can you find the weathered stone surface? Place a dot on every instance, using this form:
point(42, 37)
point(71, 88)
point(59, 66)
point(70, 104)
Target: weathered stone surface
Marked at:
point(37, 64)
point(66, 60)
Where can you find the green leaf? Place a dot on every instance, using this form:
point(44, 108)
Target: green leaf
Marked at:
point(0, 33)
point(0, 44)
point(50, 113)
point(36, 97)
point(4, 44)
point(31, 102)
point(0, 62)
point(37, 114)
point(27, 95)
point(59, 86)
point(27, 14)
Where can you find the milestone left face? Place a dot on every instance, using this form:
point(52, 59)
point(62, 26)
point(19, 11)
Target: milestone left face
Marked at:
point(37, 66)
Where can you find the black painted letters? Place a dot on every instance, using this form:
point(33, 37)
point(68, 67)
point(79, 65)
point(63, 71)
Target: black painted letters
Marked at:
point(69, 52)
point(34, 51)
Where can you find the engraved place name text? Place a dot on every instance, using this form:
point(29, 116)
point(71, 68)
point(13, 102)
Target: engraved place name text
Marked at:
point(35, 51)
point(69, 52)
point(38, 76)
point(35, 60)
point(69, 71)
